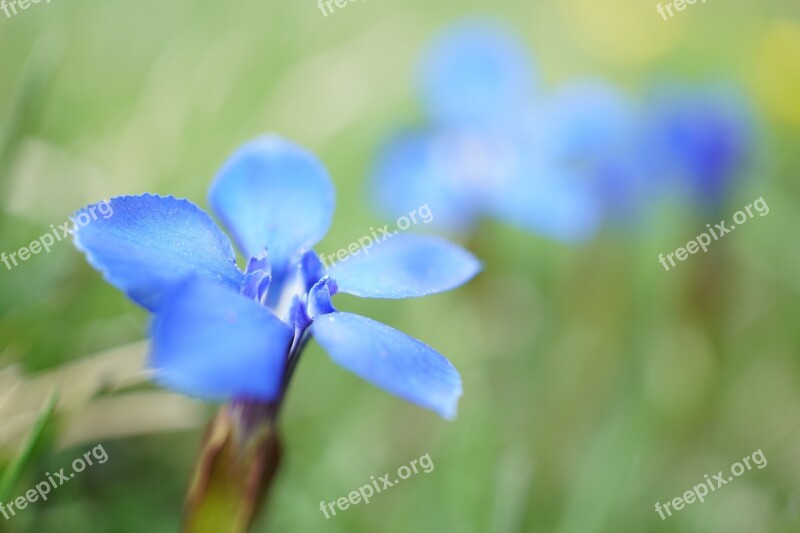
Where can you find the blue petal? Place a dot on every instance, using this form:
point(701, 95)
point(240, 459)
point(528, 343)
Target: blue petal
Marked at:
point(150, 243)
point(390, 360)
point(273, 194)
point(475, 72)
point(215, 344)
point(588, 118)
point(257, 278)
point(405, 266)
point(320, 297)
point(310, 269)
point(413, 171)
point(592, 130)
point(549, 201)
point(299, 322)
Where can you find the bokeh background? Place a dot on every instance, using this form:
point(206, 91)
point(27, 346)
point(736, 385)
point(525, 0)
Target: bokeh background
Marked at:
point(596, 383)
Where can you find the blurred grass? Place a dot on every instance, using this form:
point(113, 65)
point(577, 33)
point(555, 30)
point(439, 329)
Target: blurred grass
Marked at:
point(594, 384)
point(13, 470)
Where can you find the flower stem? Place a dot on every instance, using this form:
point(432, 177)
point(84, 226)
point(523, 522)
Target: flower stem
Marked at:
point(240, 457)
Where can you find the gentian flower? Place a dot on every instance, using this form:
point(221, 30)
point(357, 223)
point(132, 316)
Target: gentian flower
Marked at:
point(222, 334)
point(593, 130)
point(700, 139)
point(486, 151)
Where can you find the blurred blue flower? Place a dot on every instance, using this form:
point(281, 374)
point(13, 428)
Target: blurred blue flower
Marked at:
point(475, 73)
point(554, 165)
point(593, 130)
point(222, 334)
point(700, 138)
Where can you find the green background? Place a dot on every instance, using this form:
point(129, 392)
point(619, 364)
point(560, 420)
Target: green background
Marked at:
point(595, 382)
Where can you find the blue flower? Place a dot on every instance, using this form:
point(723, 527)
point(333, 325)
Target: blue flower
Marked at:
point(475, 73)
point(593, 130)
point(700, 138)
point(493, 147)
point(221, 334)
